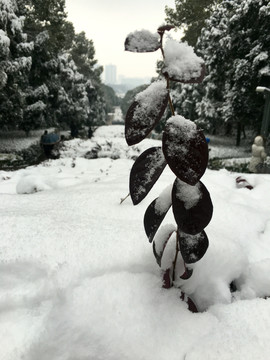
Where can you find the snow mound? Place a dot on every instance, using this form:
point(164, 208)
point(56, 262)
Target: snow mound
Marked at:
point(30, 184)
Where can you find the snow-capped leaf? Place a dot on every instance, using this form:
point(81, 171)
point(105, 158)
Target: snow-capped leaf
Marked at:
point(192, 206)
point(156, 212)
point(181, 63)
point(161, 241)
point(193, 247)
point(142, 41)
point(185, 149)
point(145, 172)
point(145, 112)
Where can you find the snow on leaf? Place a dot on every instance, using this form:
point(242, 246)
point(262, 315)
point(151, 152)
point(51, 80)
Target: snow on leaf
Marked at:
point(145, 172)
point(142, 41)
point(193, 247)
point(160, 242)
point(185, 149)
point(192, 206)
point(145, 112)
point(181, 63)
point(156, 212)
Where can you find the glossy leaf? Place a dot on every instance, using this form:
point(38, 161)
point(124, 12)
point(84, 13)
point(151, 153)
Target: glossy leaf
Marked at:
point(145, 112)
point(145, 172)
point(192, 206)
point(193, 247)
point(185, 149)
point(160, 243)
point(156, 212)
point(142, 41)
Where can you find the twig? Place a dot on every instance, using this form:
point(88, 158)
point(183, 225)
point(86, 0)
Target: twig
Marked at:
point(123, 199)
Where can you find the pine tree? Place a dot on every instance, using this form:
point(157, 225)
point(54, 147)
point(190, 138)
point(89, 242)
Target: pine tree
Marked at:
point(235, 45)
point(83, 54)
point(190, 16)
point(73, 106)
point(51, 34)
point(15, 64)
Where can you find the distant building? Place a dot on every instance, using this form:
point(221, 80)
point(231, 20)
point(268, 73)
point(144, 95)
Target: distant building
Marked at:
point(110, 74)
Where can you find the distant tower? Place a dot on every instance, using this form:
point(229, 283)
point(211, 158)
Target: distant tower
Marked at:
point(110, 74)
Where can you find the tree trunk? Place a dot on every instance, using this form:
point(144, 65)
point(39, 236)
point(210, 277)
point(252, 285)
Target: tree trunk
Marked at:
point(238, 134)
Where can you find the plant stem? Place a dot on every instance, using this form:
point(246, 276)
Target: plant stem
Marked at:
point(170, 100)
point(176, 256)
point(123, 199)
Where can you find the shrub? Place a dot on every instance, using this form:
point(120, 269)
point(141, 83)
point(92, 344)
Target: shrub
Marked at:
point(184, 149)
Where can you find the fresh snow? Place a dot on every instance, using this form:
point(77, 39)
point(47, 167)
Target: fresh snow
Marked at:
point(142, 41)
point(79, 279)
point(150, 101)
point(181, 62)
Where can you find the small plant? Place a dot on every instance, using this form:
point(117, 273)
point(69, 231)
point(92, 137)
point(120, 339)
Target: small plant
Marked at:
point(184, 149)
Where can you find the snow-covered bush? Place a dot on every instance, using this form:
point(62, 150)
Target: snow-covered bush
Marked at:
point(184, 149)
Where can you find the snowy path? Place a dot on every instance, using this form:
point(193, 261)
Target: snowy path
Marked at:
point(79, 280)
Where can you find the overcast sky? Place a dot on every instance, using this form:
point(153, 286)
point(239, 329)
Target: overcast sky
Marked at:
point(107, 22)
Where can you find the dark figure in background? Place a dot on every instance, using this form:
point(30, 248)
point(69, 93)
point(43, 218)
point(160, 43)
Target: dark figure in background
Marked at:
point(43, 137)
point(48, 142)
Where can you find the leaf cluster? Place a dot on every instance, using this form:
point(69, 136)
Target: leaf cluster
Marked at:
point(184, 149)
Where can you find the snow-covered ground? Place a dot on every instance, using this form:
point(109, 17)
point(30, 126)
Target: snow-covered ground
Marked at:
point(79, 280)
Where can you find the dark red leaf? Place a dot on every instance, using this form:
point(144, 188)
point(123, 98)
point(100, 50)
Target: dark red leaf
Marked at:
point(142, 42)
point(167, 27)
point(185, 149)
point(192, 206)
point(167, 281)
point(159, 247)
point(187, 274)
point(155, 214)
point(242, 182)
point(145, 112)
point(193, 247)
point(145, 172)
point(191, 306)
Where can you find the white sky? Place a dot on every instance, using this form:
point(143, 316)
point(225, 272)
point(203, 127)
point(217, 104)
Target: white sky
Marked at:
point(108, 22)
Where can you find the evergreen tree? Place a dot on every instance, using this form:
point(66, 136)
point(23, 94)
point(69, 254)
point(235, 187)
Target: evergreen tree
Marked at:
point(83, 54)
point(190, 16)
point(235, 45)
point(73, 108)
point(47, 72)
point(51, 34)
point(15, 64)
